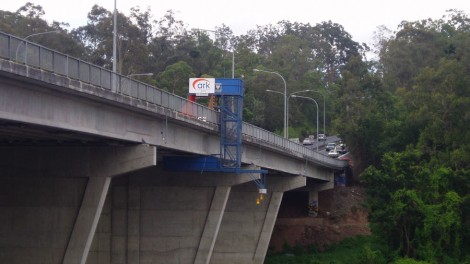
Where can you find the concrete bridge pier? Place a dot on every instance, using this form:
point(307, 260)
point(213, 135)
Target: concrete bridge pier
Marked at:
point(313, 190)
point(51, 198)
point(156, 216)
point(246, 226)
point(103, 205)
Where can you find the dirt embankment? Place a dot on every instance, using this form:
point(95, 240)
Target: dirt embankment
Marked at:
point(340, 216)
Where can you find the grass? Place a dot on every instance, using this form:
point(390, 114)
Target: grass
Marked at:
point(360, 249)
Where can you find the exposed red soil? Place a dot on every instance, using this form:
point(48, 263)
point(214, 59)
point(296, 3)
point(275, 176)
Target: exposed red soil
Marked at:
point(340, 216)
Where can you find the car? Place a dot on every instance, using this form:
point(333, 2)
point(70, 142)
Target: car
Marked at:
point(321, 137)
point(307, 141)
point(330, 146)
point(333, 153)
point(341, 148)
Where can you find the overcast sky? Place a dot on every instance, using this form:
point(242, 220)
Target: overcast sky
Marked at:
point(360, 17)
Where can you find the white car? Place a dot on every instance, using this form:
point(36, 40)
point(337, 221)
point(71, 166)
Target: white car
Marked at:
point(307, 141)
point(333, 153)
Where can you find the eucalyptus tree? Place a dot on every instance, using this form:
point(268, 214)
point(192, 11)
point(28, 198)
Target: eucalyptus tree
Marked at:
point(332, 46)
point(28, 22)
point(132, 39)
point(170, 42)
point(298, 52)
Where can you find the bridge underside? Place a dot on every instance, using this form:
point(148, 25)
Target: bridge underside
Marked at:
point(69, 204)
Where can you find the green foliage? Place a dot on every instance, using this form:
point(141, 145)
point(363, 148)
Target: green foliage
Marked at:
point(417, 193)
point(413, 208)
point(356, 250)
point(409, 261)
point(175, 78)
point(27, 22)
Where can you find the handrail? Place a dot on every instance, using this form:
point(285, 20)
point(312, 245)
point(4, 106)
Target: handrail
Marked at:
point(34, 55)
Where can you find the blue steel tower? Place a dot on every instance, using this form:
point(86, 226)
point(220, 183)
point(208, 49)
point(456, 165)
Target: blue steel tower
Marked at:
point(231, 112)
point(230, 94)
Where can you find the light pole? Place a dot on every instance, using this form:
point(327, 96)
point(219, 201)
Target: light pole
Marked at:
point(27, 37)
point(324, 129)
point(310, 98)
point(233, 52)
point(114, 77)
point(114, 37)
point(287, 111)
point(285, 97)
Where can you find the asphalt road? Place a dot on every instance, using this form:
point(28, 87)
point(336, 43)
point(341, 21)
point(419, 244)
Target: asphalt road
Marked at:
point(322, 144)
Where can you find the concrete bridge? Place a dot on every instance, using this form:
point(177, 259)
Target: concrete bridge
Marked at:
point(82, 179)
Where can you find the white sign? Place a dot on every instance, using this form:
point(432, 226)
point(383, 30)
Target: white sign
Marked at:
point(201, 86)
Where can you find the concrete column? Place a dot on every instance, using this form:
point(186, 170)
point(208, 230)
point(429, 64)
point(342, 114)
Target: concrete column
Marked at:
point(212, 225)
point(268, 226)
point(168, 217)
point(313, 203)
point(247, 226)
point(314, 188)
point(87, 220)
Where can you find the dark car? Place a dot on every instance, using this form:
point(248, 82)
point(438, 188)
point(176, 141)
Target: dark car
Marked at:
point(330, 146)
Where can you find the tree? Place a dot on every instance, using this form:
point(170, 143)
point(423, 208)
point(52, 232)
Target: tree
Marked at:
point(175, 78)
point(414, 208)
point(132, 49)
point(27, 21)
point(418, 192)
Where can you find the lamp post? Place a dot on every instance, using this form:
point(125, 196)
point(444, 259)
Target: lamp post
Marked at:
point(114, 77)
point(27, 37)
point(285, 97)
point(324, 129)
point(287, 111)
point(114, 37)
point(304, 97)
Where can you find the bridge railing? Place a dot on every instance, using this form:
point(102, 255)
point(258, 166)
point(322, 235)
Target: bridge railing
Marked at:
point(34, 55)
point(268, 137)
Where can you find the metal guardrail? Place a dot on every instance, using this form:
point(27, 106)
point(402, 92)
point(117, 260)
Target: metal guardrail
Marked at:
point(25, 52)
point(31, 54)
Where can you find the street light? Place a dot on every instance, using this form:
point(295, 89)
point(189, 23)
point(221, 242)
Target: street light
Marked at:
point(287, 111)
point(304, 97)
point(288, 97)
point(324, 129)
point(26, 43)
point(114, 37)
point(285, 97)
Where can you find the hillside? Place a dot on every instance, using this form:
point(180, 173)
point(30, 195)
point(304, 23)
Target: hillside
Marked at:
point(340, 216)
